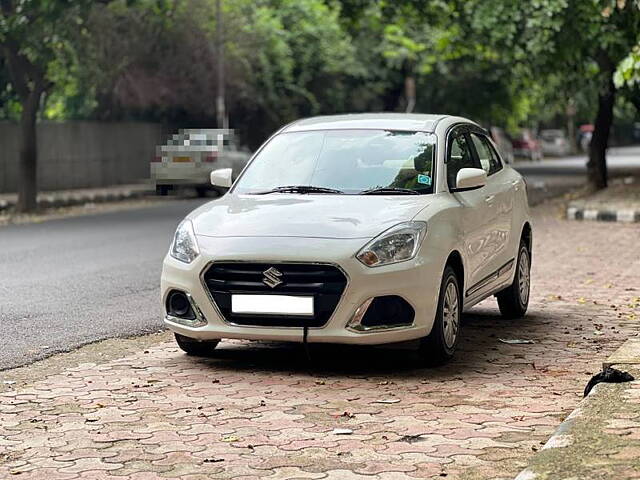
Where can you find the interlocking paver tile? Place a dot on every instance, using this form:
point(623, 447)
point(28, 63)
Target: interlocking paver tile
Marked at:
point(260, 410)
point(293, 472)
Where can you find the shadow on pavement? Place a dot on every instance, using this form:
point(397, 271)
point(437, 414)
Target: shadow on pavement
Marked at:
point(479, 347)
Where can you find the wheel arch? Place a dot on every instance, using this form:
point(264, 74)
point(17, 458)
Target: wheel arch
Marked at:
point(454, 260)
point(527, 236)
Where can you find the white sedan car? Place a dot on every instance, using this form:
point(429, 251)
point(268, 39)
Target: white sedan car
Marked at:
point(355, 229)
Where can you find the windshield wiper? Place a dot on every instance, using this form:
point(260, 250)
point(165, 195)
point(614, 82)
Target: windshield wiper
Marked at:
point(299, 189)
point(389, 191)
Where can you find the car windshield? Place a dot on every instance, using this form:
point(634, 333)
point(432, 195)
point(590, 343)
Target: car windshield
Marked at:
point(343, 161)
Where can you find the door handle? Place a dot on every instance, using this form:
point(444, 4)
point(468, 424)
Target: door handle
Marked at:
point(489, 198)
point(515, 184)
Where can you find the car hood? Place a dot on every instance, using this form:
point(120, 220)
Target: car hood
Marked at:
point(306, 215)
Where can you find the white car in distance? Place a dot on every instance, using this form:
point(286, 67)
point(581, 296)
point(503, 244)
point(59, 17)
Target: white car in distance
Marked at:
point(355, 229)
point(187, 158)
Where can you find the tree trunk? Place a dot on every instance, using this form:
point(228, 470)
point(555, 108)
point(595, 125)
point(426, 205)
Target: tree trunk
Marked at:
point(597, 165)
point(28, 186)
point(410, 93)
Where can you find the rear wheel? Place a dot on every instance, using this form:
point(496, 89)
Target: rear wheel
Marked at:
point(513, 301)
point(162, 190)
point(439, 346)
point(194, 347)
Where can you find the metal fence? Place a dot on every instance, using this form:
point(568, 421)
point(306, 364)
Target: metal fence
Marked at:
point(82, 154)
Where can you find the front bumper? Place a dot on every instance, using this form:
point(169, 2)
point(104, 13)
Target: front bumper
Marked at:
point(417, 281)
point(180, 173)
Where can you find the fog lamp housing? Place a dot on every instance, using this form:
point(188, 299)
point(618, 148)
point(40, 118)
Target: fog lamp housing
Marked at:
point(182, 309)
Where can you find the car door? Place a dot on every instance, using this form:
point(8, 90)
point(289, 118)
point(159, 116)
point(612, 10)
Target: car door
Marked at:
point(499, 200)
point(477, 213)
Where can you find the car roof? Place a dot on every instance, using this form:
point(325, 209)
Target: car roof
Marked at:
point(383, 121)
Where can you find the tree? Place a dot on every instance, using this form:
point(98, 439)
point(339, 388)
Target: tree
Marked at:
point(615, 27)
point(150, 60)
point(627, 77)
point(33, 36)
point(155, 61)
point(304, 50)
point(581, 41)
point(431, 56)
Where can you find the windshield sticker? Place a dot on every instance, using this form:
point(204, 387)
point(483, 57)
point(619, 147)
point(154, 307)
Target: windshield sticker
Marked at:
point(424, 179)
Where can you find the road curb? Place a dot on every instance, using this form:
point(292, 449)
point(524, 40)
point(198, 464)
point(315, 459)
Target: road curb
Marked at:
point(603, 215)
point(53, 200)
point(561, 438)
point(565, 436)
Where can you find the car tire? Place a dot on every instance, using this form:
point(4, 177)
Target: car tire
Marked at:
point(162, 190)
point(219, 192)
point(194, 347)
point(440, 345)
point(201, 192)
point(513, 301)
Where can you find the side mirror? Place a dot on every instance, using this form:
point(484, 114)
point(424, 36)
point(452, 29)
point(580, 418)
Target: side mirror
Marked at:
point(221, 178)
point(470, 179)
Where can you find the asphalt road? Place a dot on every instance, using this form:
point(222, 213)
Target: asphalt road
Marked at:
point(68, 282)
point(553, 176)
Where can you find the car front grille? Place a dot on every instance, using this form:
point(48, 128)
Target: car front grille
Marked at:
point(325, 283)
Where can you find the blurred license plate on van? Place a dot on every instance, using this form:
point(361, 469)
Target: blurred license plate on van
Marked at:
point(272, 304)
point(181, 159)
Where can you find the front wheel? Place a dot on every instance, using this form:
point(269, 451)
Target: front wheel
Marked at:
point(194, 347)
point(201, 192)
point(513, 301)
point(440, 345)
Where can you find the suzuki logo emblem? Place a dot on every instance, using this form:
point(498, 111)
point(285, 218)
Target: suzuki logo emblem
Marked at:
point(272, 277)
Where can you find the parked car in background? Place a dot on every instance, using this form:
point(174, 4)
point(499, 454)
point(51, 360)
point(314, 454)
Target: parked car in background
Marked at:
point(188, 157)
point(527, 145)
point(355, 229)
point(585, 132)
point(503, 142)
point(554, 142)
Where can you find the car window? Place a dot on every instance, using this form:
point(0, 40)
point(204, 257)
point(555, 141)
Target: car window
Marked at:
point(459, 157)
point(348, 160)
point(489, 160)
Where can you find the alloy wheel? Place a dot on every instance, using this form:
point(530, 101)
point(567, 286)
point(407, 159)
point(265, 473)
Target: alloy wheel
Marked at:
point(524, 276)
point(451, 314)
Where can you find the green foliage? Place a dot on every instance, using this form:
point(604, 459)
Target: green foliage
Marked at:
point(303, 49)
point(628, 72)
point(39, 27)
point(9, 101)
point(498, 61)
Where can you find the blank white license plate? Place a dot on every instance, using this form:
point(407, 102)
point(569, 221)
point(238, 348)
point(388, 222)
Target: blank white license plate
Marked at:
point(272, 304)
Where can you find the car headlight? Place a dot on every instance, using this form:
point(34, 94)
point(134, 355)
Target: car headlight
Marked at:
point(185, 246)
point(395, 245)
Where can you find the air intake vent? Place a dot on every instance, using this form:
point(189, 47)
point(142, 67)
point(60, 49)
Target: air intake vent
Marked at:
point(325, 283)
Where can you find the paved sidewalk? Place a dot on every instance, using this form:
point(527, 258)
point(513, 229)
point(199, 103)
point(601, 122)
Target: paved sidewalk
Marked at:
point(67, 198)
point(261, 411)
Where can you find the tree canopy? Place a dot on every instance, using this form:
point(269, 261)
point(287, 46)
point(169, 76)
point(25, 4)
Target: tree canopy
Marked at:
point(500, 62)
